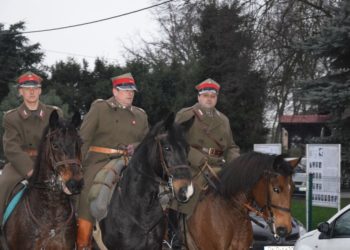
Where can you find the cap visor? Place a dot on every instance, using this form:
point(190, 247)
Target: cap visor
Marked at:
point(29, 85)
point(207, 91)
point(130, 87)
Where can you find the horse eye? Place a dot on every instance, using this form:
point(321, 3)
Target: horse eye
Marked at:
point(167, 148)
point(276, 190)
point(55, 146)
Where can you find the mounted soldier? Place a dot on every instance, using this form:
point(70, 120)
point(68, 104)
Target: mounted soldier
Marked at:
point(111, 129)
point(23, 128)
point(211, 145)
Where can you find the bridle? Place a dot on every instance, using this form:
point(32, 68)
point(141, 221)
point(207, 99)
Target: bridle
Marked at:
point(254, 207)
point(168, 170)
point(166, 187)
point(55, 182)
point(166, 181)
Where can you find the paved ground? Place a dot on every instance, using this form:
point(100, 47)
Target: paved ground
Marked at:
point(345, 194)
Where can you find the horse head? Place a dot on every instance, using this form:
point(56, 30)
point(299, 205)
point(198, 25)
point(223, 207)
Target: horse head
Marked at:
point(273, 194)
point(60, 154)
point(172, 149)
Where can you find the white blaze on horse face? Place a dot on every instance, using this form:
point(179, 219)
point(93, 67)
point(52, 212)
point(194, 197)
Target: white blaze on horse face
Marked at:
point(190, 191)
point(65, 189)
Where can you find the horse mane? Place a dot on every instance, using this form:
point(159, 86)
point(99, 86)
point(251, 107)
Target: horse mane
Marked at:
point(242, 173)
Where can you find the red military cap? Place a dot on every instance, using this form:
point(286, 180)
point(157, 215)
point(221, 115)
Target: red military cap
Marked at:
point(208, 85)
point(124, 82)
point(29, 80)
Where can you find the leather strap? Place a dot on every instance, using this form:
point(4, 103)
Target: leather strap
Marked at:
point(31, 152)
point(205, 129)
point(104, 150)
point(209, 151)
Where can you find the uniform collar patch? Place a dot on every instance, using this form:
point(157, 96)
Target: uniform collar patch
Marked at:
point(25, 112)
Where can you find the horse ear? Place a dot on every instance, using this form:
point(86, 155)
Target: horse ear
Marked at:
point(278, 162)
point(76, 119)
point(54, 118)
point(169, 121)
point(294, 162)
point(186, 125)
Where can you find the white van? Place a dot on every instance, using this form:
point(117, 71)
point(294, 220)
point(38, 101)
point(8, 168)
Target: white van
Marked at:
point(331, 235)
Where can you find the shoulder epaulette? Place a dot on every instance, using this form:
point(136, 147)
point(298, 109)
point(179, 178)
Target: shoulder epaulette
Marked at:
point(97, 100)
point(142, 110)
point(184, 110)
point(52, 107)
point(9, 111)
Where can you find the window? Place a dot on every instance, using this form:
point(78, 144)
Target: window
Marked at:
point(342, 226)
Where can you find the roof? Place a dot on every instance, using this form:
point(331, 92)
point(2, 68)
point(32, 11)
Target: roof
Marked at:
point(304, 118)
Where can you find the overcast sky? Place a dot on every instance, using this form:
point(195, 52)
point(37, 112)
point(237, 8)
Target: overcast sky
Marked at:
point(103, 39)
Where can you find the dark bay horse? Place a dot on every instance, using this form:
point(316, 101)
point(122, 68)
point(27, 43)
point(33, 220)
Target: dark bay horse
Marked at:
point(135, 219)
point(45, 218)
point(252, 182)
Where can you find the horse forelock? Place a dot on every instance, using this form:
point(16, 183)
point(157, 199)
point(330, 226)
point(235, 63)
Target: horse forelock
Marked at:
point(241, 174)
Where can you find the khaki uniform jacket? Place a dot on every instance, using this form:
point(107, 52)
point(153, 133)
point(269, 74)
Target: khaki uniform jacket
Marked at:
point(107, 124)
point(23, 130)
point(206, 132)
point(209, 132)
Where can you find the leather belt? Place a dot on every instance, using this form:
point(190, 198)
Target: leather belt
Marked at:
point(209, 151)
point(104, 150)
point(31, 152)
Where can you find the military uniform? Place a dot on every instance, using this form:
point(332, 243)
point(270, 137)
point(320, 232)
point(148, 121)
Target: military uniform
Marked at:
point(211, 143)
point(23, 130)
point(107, 130)
point(107, 125)
point(210, 139)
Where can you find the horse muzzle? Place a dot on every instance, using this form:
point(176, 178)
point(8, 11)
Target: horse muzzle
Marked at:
point(183, 193)
point(73, 186)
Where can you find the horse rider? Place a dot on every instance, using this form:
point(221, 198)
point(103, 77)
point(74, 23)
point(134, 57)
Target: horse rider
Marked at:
point(211, 144)
point(110, 128)
point(23, 129)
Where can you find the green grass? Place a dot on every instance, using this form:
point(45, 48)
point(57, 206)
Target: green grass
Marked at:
point(319, 214)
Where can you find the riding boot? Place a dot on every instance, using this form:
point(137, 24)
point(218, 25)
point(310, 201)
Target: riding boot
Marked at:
point(175, 230)
point(84, 235)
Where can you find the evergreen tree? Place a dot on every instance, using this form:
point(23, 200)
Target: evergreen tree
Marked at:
point(331, 91)
point(226, 46)
point(16, 56)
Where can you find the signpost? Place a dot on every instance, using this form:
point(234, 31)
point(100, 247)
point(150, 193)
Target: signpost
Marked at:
point(323, 164)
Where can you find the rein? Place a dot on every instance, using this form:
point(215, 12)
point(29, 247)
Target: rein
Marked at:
point(32, 216)
point(53, 231)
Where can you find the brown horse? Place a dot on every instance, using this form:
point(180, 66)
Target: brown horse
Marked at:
point(252, 182)
point(45, 218)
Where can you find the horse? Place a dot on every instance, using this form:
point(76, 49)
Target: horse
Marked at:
point(252, 182)
point(44, 218)
point(135, 218)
